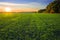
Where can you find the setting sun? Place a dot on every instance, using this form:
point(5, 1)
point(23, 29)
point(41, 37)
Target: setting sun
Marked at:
point(7, 9)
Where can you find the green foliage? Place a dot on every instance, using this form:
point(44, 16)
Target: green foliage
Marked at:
point(53, 7)
point(30, 27)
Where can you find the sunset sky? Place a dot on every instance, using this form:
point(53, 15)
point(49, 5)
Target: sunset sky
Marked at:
point(23, 5)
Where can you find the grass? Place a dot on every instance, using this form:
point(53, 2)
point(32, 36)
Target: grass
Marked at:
point(30, 26)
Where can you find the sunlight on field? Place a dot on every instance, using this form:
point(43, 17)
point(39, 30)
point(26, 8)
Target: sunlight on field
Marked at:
point(7, 13)
point(29, 26)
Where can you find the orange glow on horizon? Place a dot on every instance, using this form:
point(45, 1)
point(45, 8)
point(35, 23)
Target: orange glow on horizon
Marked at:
point(10, 9)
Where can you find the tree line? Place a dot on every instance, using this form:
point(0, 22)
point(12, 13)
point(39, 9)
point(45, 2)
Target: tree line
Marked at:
point(53, 7)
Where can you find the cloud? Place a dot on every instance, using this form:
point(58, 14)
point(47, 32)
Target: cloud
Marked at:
point(33, 5)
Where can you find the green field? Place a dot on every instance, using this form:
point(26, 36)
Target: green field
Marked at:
point(30, 26)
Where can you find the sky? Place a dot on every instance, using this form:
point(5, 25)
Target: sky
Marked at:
point(24, 5)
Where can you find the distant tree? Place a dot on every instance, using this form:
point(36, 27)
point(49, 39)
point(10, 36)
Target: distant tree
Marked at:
point(41, 11)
